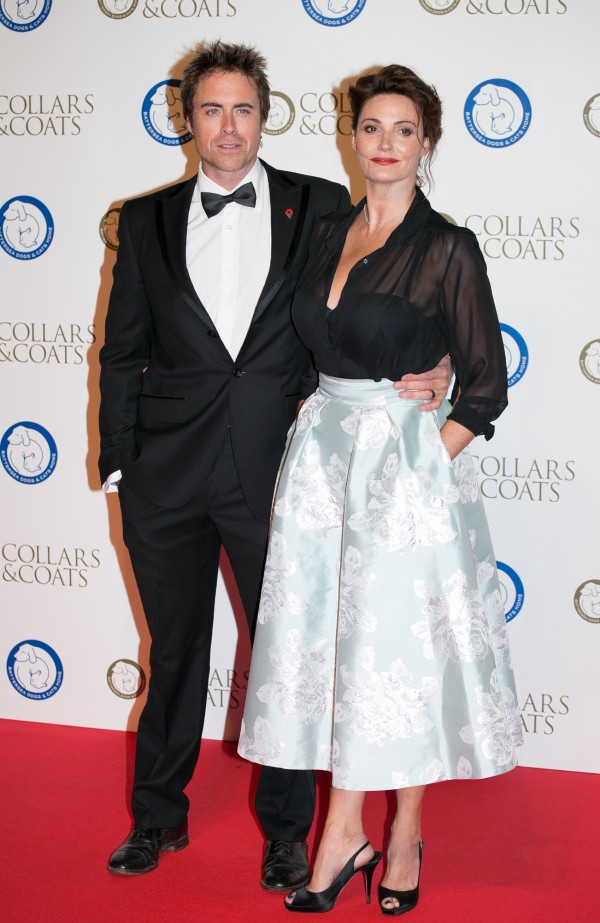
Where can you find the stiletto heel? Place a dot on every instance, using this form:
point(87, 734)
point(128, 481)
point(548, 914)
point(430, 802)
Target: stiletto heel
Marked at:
point(305, 901)
point(367, 871)
point(407, 900)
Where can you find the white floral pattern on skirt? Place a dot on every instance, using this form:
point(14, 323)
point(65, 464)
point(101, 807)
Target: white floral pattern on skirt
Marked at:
point(381, 652)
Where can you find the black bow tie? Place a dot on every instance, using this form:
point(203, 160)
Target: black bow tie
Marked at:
point(212, 203)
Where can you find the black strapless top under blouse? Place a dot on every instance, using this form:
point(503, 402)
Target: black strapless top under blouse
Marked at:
point(423, 294)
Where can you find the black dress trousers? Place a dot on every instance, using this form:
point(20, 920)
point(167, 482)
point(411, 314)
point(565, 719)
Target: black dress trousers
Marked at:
point(175, 558)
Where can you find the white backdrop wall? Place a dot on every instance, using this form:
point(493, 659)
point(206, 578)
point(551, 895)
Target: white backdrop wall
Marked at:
point(87, 119)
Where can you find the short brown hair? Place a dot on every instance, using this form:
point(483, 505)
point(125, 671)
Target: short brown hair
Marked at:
point(395, 78)
point(220, 57)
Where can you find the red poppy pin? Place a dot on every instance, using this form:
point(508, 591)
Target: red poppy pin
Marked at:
point(289, 212)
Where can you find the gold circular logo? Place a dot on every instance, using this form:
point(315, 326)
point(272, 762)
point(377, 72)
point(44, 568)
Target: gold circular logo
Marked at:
point(589, 361)
point(591, 115)
point(126, 679)
point(587, 601)
point(439, 7)
point(281, 114)
point(109, 228)
point(117, 9)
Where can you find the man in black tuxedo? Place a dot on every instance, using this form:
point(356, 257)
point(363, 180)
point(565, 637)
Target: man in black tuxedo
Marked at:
point(201, 376)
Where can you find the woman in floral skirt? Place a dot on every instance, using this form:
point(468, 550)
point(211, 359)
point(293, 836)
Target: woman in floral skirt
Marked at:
point(381, 653)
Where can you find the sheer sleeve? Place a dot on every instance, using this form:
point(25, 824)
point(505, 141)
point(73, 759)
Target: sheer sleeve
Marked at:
point(474, 337)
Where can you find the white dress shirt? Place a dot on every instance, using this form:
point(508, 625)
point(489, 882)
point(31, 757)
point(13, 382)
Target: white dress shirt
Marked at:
point(228, 258)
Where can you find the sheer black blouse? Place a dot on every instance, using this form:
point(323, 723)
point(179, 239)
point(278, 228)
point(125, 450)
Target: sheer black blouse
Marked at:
point(423, 294)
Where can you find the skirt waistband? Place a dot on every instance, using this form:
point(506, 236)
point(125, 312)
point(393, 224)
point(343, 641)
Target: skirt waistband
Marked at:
point(361, 390)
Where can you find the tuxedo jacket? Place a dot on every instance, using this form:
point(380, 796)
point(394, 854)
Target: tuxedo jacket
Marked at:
point(169, 388)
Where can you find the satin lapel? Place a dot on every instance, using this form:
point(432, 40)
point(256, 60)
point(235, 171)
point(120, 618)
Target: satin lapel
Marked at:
point(171, 226)
point(289, 204)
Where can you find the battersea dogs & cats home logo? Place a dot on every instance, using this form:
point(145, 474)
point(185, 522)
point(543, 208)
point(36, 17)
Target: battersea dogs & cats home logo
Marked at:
point(517, 354)
point(126, 679)
point(24, 15)
point(117, 9)
point(162, 114)
point(34, 669)
point(28, 452)
point(109, 228)
point(587, 601)
point(589, 361)
point(27, 228)
point(282, 113)
point(439, 7)
point(513, 592)
point(591, 115)
point(497, 113)
point(334, 12)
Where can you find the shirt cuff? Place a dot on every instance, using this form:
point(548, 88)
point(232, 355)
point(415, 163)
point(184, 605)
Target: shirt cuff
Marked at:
point(471, 419)
point(111, 484)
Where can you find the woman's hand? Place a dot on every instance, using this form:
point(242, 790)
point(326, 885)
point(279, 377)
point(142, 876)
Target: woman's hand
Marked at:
point(456, 437)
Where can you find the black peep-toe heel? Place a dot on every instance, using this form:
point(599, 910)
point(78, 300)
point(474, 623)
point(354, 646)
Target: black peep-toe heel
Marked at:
point(321, 901)
point(407, 900)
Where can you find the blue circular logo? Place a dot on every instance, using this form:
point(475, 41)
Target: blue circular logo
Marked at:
point(517, 354)
point(34, 669)
point(27, 228)
point(497, 113)
point(334, 12)
point(28, 452)
point(511, 588)
point(24, 15)
point(162, 114)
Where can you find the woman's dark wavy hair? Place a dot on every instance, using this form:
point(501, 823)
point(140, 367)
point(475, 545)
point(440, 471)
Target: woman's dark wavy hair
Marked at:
point(220, 57)
point(395, 78)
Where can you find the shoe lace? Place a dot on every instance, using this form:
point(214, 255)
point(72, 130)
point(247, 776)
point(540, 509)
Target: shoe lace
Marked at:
point(280, 848)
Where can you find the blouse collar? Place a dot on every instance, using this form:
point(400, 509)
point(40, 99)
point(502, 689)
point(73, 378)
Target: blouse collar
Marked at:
point(416, 216)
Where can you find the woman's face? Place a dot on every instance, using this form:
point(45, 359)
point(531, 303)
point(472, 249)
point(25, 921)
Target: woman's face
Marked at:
point(389, 139)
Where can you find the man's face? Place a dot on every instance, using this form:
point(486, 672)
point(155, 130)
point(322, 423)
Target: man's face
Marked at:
point(226, 126)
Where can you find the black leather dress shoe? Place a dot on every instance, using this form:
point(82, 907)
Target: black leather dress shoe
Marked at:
point(142, 848)
point(285, 866)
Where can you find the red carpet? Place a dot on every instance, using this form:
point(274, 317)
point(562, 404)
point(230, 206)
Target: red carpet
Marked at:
point(523, 847)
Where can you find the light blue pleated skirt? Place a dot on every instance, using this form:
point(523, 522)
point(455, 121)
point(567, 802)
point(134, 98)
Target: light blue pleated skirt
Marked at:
point(381, 652)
